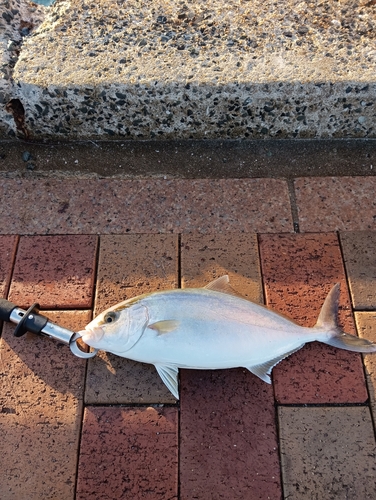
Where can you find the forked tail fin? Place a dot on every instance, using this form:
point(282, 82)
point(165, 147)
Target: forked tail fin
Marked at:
point(351, 343)
point(327, 320)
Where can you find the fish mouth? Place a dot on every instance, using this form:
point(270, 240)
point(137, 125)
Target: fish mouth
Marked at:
point(92, 336)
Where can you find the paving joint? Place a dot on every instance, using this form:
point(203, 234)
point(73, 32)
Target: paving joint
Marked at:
point(293, 205)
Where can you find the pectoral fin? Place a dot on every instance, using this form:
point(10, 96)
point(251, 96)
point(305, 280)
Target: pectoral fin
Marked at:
point(169, 375)
point(165, 326)
point(264, 370)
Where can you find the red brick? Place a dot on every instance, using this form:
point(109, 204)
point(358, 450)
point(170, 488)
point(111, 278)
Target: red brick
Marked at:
point(41, 395)
point(119, 206)
point(228, 438)
point(8, 245)
point(336, 203)
point(56, 271)
point(228, 432)
point(128, 453)
point(298, 271)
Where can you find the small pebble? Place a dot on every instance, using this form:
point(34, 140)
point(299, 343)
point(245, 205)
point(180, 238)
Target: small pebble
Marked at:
point(26, 156)
point(11, 45)
point(30, 166)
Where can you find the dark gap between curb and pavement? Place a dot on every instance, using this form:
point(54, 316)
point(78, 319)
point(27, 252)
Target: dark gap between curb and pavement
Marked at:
point(190, 158)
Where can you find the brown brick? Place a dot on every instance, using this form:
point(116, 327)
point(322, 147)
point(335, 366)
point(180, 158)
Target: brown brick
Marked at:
point(366, 325)
point(207, 257)
point(129, 266)
point(128, 453)
point(359, 251)
point(41, 411)
point(228, 433)
point(336, 203)
point(298, 271)
point(327, 453)
point(56, 271)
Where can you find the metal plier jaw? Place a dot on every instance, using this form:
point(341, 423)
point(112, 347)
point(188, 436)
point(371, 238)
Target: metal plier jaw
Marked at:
point(32, 321)
point(77, 351)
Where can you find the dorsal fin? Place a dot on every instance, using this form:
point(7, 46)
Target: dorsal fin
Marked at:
point(327, 319)
point(222, 285)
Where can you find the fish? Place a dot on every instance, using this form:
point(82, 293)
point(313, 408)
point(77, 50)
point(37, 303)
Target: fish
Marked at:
point(210, 328)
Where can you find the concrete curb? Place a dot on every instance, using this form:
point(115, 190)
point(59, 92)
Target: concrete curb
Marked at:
point(17, 19)
point(167, 70)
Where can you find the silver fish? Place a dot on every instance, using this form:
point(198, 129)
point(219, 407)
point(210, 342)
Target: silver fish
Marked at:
point(210, 328)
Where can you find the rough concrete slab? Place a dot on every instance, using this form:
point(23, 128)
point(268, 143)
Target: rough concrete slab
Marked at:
point(130, 265)
point(228, 438)
point(17, 20)
point(112, 206)
point(359, 252)
point(327, 453)
point(55, 271)
point(41, 405)
point(366, 325)
point(298, 271)
point(128, 453)
point(336, 204)
point(170, 70)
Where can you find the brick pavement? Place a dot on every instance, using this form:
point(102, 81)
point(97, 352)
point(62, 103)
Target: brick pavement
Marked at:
point(107, 428)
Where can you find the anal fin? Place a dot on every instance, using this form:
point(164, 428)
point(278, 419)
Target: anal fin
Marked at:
point(169, 375)
point(264, 370)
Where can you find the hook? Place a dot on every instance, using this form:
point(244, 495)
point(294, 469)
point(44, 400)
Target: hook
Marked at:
point(77, 351)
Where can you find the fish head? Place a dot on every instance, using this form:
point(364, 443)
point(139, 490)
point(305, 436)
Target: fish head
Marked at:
point(118, 328)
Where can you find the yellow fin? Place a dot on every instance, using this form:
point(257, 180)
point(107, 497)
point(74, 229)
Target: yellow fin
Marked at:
point(164, 326)
point(222, 284)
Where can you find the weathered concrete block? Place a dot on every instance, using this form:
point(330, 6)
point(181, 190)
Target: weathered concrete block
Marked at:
point(17, 19)
point(162, 69)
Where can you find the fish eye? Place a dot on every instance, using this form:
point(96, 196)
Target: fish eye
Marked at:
point(110, 317)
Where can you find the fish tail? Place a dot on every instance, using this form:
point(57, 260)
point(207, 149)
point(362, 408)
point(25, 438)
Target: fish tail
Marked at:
point(351, 343)
point(335, 337)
